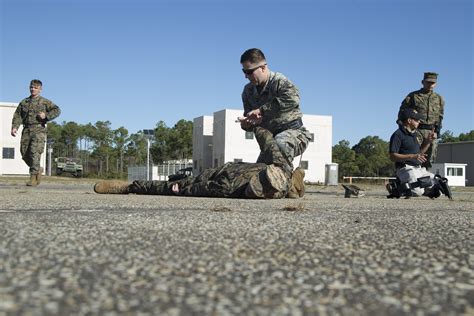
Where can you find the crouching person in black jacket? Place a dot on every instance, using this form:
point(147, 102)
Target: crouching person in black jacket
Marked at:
point(409, 155)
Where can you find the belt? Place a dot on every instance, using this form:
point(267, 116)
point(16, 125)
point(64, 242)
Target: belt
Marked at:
point(31, 125)
point(296, 124)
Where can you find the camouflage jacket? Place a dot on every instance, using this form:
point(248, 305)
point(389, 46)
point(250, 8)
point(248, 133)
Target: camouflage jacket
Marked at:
point(228, 180)
point(26, 113)
point(231, 179)
point(279, 101)
point(430, 104)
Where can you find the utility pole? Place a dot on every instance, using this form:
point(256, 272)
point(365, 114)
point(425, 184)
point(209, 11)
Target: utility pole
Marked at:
point(149, 134)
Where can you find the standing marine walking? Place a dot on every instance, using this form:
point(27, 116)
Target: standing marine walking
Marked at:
point(33, 113)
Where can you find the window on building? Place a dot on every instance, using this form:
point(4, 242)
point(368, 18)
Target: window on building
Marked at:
point(238, 160)
point(304, 164)
point(454, 171)
point(312, 138)
point(195, 164)
point(8, 153)
point(216, 162)
point(248, 135)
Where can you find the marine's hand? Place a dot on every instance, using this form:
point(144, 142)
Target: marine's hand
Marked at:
point(175, 188)
point(255, 114)
point(13, 132)
point(432, 136)
point(421, 158)
point(41, 115)
point(247, 122)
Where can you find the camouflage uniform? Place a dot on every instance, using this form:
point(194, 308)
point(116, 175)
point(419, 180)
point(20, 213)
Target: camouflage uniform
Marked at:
point(281, 115)
point(431, 106)
point(268, 179)
point(33, 136)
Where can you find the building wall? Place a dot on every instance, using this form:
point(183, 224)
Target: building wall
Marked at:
point(230, 143)
point(219, 144)
point(15, 166)
point(460, 152)
point(319, 152)
point(202, 143)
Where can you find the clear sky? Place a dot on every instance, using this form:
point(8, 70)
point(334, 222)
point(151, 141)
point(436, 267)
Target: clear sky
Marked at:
point(136, 62)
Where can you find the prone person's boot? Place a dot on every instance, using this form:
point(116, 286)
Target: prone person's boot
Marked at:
point(112, 187)
point(39, 175)
point(297, 188)
point(273, 182)
point(33, 182)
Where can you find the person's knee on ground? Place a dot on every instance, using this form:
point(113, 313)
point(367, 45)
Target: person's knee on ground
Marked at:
point(440, 186)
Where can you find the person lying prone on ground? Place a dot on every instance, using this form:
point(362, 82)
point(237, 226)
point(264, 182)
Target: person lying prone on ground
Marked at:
point(273, 178)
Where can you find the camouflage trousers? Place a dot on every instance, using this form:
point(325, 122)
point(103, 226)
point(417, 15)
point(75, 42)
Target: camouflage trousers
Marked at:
point(432, 151)
point(32, 146)
point(232, 180)
point(229, 180)
point(292, 143)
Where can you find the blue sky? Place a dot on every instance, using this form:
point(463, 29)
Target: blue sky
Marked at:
point(136, 62)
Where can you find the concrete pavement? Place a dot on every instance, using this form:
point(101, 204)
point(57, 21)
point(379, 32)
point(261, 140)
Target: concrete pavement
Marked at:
point(65, 250)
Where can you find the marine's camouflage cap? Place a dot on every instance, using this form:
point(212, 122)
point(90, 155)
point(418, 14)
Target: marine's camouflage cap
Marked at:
point(430, 76)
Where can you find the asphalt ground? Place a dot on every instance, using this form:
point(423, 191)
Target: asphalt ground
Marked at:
point(65, 250)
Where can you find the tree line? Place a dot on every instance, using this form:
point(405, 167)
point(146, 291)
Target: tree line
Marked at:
point(369, 157)
point(107, 152)
point(448, 137)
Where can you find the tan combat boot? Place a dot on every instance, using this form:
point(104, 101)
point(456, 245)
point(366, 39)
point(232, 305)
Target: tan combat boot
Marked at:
point(112, 187)
point(39, 175)
point(297, 188)
point(33, 182)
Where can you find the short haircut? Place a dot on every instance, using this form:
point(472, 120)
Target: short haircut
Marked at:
point(252, 55)
point(36, 82)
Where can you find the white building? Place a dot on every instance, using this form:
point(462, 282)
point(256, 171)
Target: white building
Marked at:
point(459, 152)
point(454, 172)
point(10, 161)
point(202, 143)
point(219, 139)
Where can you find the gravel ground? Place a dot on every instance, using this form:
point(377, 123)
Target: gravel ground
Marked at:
point(65, 250)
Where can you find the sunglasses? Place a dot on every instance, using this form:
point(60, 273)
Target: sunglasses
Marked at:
point(251, 70)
